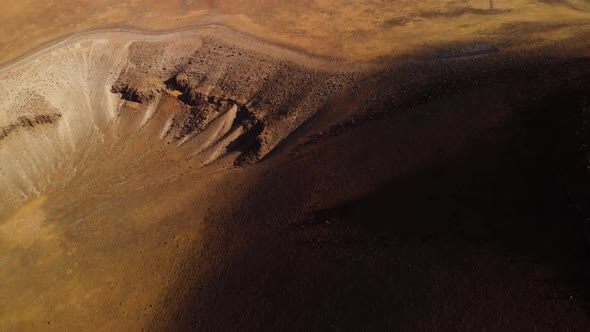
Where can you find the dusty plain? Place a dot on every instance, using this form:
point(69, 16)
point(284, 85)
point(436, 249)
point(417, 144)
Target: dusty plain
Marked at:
point(351, 29)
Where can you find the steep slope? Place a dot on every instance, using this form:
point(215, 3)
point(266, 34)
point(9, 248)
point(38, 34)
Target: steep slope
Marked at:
point(455, 199)
point(101, 95)
point(205, 180)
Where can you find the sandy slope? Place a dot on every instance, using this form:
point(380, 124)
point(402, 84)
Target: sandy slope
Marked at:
point(85, 172)
point(81, 97)
point(424, 195)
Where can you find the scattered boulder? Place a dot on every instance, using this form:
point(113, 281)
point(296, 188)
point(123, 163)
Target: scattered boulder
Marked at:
point(134, 93)
point(137, 88)
point(182, 81)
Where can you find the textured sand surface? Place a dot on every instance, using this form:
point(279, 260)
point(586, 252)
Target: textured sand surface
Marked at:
point(72, 82)
point(277, 165)
point(357, 29)
point(84, 170)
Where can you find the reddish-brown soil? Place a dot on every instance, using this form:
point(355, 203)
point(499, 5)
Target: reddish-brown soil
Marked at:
point(239, 186)
point(449, 196)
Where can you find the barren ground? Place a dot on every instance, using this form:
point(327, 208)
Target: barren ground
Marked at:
point(357, 29)
point(385, 165)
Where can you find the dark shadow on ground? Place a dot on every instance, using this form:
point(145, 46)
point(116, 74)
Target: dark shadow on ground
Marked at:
point(461, 210)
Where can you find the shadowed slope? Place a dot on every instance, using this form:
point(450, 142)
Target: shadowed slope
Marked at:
point(452, 211)
point(392, 197)
point(101, 136)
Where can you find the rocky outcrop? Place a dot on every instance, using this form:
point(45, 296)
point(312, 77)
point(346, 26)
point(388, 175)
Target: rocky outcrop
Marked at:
point(136, 94)
point(254, 141)
point(28, 121)
point(273, 96)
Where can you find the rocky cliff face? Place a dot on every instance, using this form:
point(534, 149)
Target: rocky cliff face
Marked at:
point(28, 122)
point(205, 97)
point(92, 125)
point(273, 96)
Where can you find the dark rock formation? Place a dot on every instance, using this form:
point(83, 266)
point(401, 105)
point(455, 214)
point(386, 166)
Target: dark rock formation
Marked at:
point(135, 93)
point(28, 121)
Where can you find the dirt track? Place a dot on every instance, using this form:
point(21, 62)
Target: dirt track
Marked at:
point(221, 31)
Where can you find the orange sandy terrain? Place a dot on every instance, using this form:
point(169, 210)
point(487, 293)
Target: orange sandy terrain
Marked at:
point(353, 29)
point(294, 165)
